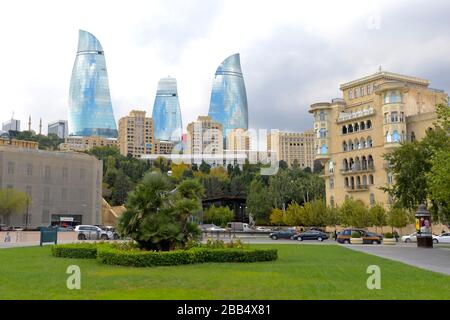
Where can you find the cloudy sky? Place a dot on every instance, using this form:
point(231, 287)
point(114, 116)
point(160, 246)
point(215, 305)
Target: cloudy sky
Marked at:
point(293, 53)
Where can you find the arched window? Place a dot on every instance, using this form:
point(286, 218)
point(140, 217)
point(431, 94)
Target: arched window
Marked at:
point(371, 181)
point(350, 128)
point(372, 199)
point(356, 127)
point(345, 164)
point(352, 182)
point(357, 164)
point(396, 137)
point(356, 144)
point(344, 130)
point(322, 116)
point(364, 181)
point(369, 142)
point(363, 143)
point(370, 163)
point(350, 145)
point(344, 146)
point(346, 183)
point(362, 125)
point(323, 149)
point(322, 133)
point(364, 163)
point(358, 182)
point(368, 124)
point(413, 136)
point(388, 137)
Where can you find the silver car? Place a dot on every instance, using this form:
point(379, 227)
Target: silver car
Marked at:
point(86, 232)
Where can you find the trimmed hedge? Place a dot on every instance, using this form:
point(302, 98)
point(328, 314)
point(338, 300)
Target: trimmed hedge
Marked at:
point(179, 257)
point(75, 251)
point(112, 255)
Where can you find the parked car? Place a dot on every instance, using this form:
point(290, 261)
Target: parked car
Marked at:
point(368, 237)
point(311, 235)
point(443, 238)
point(238, 226)
point(112, 233)
point(210, 227)
point(282, 234)
point(86, 232)
point(3, 227)
point(263, 229)
point(410, 238)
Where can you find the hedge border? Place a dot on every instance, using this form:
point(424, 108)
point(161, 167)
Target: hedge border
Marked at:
point(136, 258)
point(75, 251)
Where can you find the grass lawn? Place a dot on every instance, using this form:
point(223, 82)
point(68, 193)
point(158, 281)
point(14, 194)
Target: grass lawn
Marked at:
point(301, 272)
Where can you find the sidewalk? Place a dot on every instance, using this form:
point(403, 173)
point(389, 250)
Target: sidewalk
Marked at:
point(436, 259)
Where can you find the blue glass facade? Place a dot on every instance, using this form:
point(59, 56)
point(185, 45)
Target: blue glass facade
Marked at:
point(90, 108)
point(228, 104)
point(166, 111)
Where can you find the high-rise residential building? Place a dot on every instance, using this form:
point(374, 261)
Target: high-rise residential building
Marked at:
point(90, 108)
point(293, 147)
point(238, 140)
point(205, 141)
point(228, 104)
point(163, 147)
point(59, 128)
point(136, 134)
point(377, 113)
point(166, 111)
point(62, 186)
point(82, 144)
point(11, 125)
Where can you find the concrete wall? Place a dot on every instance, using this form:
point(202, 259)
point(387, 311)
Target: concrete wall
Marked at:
point(34, 236)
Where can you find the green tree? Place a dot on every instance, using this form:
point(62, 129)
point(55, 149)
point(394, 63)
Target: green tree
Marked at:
point(204, 167)
point(283, 165)
point(12, 202)
point(277, 217)
point(122, 186)
point(315, 213)
point(218, 215)
point(157, 217)
point(295, 215)
point(258, 202)
point(377, 216)
point(398, 218)
point(178, 170)
point(353, 213)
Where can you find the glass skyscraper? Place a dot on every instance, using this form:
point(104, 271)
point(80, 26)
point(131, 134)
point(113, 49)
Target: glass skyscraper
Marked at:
point(228, 96)
point(90, 108)
point(166, 111)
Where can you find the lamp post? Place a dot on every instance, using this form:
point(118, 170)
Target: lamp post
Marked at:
point(423, 227)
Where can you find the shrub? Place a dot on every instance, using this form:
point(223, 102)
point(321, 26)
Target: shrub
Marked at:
point(388, 235)
point(356, 234)
point(180, 257)
point(75, 251)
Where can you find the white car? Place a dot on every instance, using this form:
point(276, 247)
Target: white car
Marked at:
point(443, 238)
point(263, 229)
point(410, 238)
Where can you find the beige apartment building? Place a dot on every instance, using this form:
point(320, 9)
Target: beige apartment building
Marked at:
point(205, 141)
point(375, 115)
point(82, 144)
point(136, 134)
point(163, 147)
point(238, 140)
point(62, 186)
point(293, 147)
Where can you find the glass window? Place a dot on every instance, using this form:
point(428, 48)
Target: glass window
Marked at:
point(394, 116)
point(11, 167)
point(323, 149)
point(29, 169)
point(322, 116)
point(396, 136)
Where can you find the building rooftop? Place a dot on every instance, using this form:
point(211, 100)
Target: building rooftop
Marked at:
point(387, 76)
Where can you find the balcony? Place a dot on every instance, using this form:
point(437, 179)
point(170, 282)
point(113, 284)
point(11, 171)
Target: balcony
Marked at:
point(357, 188)
point(368, 169)
point(323, 156)
point(355, 115)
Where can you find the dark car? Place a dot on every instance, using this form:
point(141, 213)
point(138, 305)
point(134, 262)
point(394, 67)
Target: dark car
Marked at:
point(282, 234)
point(311, 235)
point(368, 237)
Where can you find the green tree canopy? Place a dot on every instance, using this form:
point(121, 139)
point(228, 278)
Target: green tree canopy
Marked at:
point(218, 215)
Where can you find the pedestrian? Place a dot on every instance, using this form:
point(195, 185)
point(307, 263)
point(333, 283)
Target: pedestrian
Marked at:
point(7, 237)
